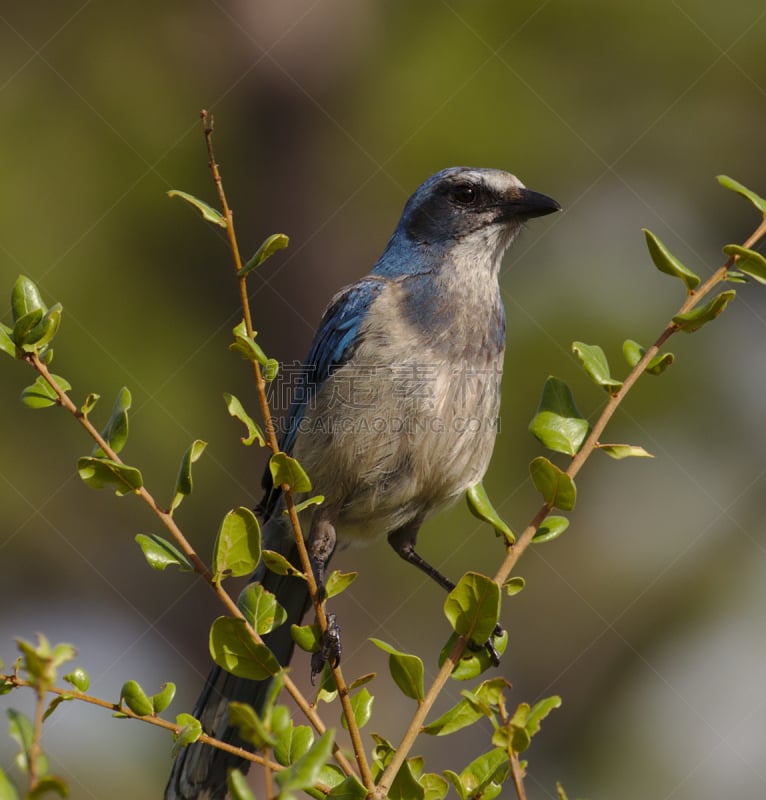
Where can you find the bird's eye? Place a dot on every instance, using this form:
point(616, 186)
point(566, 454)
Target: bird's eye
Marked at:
point(464, 194)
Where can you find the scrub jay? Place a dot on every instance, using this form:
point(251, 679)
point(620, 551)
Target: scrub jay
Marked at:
point(395, 410)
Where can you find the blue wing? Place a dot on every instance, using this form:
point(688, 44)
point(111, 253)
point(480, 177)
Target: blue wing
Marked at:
point(333, 346)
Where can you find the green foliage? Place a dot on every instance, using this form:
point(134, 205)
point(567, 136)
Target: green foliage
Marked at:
point(558, 425)
point(237, 410)
point(260, 608)
point(473, 607)
point(250, 350)
point(304, 773)
point(160, 553)
point(285, 470)
point(666, 262)
point(406, 670)
point(100, 473)
point(594, 362)
point(691, 321)
point(750, 262)
point(473, 662)
point(236, 783)
point(41, 394)
point(209, 214)
point(557, 488)
point(748, 194)
point(233, 649)
point(273, 244)
point(481, 507)
point(142, 704)
point(184, 482)
point(115, 434)
point(551, 528)
point(338, 582)
point(633, 353)
point(189, 731)
point(361, 707)
point(483, 777)
point(237, 549)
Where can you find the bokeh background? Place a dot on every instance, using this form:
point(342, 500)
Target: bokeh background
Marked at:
point(647, 616)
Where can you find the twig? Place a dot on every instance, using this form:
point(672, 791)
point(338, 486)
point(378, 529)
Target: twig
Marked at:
point(260, 384)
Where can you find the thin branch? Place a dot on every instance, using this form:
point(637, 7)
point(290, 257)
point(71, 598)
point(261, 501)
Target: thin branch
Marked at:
point(149, 719)
point(260, 384)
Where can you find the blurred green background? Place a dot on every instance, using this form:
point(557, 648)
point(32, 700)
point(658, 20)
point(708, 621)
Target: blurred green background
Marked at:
point(647, 615)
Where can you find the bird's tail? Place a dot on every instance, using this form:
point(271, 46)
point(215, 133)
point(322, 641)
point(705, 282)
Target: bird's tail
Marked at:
point(200, 770)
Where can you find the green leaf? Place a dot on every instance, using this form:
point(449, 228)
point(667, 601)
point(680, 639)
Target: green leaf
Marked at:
point(693, 320)
point(7, 346)
point(209, 214)
point(261, 608)
point(25, 298)
point(190, 729)
point(116, 431)
point(161, 553)
point(98, 473)
point(434, 785)
point(21, 730)
point(472, 663)
point(274, 243)
point(316, 500)
point(136, 699)
point(556, 487)
point(286, 470)
point(275, 562)
point(633, 353)
point(348, 789)
point(406, 670)
point(594, 362)
point(304, 773)
point(540, 711)
point(473, 607)
point(7, 789)
point(41, 394)
point(89, 403)
point(307, 637)
point(42, 333)
point(361, 708)
point(46, 784)
point(514, 584)
point(237, 549)
point(470, 709)
point(405, 785)
point(234, 650)
point(558, 424)
point(748, 194)
point(751, 262)
point(619, 451)
point(338, 582)
point(23, 326)
point(236, 410)
point(250, 726)
point(481, 507)
point(78, 678)
point(236, 783)
point(666, 262)
point(550, 529)
point(246, 346)
point(292, 743)
point(163, 698)
point(184, 484)
point(483, 777)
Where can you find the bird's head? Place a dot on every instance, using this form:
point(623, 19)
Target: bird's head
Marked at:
point(462, 204)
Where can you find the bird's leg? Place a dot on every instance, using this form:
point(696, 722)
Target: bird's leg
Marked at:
point(403, 541)
point(321, 545)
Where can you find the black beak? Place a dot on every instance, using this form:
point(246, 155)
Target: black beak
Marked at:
point(527, 203)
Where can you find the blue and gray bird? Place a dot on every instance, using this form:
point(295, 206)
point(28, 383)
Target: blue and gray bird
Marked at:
point(395, 412)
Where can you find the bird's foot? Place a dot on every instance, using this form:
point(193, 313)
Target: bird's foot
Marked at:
point(330, 649)
point(489, 645)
